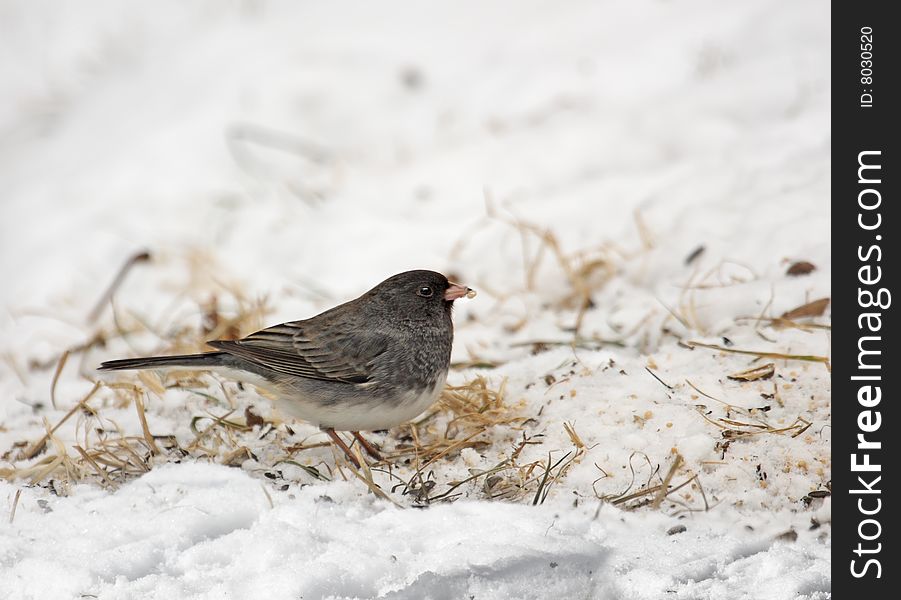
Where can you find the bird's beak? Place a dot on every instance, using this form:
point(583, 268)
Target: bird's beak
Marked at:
point(458, 291)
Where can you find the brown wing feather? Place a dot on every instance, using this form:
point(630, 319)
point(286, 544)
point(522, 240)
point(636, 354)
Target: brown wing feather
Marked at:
point(297, 349)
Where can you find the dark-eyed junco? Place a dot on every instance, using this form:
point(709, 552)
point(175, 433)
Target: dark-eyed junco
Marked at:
point(371, 363)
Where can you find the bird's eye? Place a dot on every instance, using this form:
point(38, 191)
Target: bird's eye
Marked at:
point(425, 291)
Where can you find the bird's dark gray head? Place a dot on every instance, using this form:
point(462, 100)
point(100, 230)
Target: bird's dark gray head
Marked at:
point(417, 294)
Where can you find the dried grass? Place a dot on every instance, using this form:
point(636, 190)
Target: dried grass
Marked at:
point(585, 271)
point(109, 458)
point(761, 353)
point(652, 494)
point(686, 312)
point(753, 420)
point(466, 416)
point(474, 415)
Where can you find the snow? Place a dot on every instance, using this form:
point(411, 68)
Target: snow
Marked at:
point(210, 532)
point(300, 153)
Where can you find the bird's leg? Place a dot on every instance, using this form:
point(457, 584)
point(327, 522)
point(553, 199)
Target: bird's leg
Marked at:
point(340, 443)
point(369, 448)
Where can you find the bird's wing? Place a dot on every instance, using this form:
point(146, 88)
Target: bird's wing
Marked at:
point(299, 348)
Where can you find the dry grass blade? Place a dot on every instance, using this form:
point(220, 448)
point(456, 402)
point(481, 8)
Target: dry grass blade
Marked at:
point(36, 447)
point(100, 471)
point(644, 232)
point(312, 471)
point(654, 375)
point(10, 359)
point(364, 474)
point(714, 398)
point(151, 380)
point(51, 463)
point(117, 281)
point(498, 468)
point(662, 493)
point(120, 454)
point(733, 429)
point(762, 372)
point(799, 426)
point(544, 485)
point(268, 497)
point(639, 494)
point(780, 323)
point(571, 432)
point(148, 437)
point(64, 357)
point(12, 512)
point(761, 353)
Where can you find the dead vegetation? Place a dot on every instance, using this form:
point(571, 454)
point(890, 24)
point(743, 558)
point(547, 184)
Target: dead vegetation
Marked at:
point(739, 422)
point(467, 416)
point(655, 490)
point(478, 415)
point(585, 271)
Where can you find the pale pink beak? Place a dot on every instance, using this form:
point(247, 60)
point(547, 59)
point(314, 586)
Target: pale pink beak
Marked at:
point(457, 291)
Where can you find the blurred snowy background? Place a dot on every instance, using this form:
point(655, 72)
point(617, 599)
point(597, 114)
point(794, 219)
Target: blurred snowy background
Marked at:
point(617, 180)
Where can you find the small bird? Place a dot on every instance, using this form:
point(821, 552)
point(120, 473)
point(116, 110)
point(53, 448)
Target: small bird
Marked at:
point(372, 363)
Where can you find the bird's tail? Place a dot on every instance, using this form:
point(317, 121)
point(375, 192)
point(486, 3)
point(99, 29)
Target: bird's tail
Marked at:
point(187, 361)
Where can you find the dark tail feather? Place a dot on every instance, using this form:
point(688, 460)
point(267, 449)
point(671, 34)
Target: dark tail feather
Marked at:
point(188, 361)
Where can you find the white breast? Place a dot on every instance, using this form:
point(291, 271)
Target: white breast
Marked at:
point(369, 415)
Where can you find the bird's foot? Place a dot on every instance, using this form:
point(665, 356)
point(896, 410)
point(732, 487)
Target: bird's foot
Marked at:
point(340, 443)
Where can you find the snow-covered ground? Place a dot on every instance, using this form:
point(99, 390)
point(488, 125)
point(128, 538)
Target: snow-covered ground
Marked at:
point(667, 160)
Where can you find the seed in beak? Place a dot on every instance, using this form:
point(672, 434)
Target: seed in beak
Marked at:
point(458, 291)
